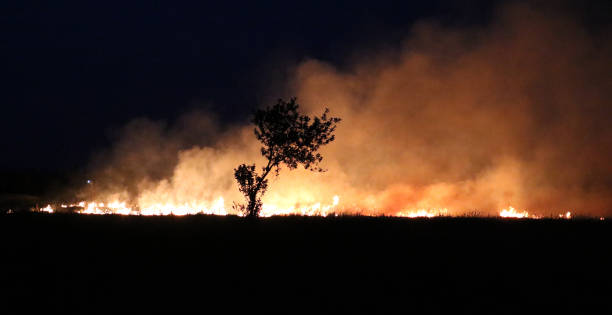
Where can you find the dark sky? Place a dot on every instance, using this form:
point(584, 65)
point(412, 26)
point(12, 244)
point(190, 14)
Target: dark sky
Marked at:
point(72, 71)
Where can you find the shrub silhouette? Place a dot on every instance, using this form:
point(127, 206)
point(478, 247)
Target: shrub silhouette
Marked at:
point(288, 138)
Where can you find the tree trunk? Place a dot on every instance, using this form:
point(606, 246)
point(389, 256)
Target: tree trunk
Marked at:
point(252, 210)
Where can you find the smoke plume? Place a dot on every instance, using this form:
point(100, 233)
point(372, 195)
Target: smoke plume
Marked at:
point(516, 113)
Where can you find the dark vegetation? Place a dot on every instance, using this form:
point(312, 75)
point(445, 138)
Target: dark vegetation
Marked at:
point(110, 264)
point(288, 138)
point(22, 190)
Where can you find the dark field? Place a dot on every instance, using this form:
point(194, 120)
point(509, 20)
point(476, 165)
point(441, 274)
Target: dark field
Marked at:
point(108, 264)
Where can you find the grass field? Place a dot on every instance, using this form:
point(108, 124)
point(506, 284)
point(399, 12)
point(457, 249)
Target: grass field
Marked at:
point(107, 264)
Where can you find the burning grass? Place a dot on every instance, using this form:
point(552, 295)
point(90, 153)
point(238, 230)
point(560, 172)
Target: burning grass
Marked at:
point(269, 210)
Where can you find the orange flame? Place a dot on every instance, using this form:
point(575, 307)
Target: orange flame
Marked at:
point(422, 213)
point(513, 213)
point(268, 209)
point(47, 209)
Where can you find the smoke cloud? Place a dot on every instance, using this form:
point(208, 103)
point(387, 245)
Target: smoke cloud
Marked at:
point(474, 119)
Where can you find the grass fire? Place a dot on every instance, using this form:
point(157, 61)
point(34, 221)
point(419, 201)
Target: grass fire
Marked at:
point(379, 157)
point(477, 120)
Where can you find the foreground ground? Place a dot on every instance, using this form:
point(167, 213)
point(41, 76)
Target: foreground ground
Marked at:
point(106, 264)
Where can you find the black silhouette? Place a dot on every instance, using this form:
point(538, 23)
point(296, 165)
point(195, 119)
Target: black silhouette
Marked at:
point(288, 138)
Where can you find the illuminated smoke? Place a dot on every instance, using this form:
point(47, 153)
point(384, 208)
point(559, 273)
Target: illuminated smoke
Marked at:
point(515, 114)
point(463, 120)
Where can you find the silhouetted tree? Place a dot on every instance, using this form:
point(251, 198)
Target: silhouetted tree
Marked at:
point(288, 138)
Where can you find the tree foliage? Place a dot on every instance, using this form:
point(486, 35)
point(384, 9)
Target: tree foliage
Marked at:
point(288, 138)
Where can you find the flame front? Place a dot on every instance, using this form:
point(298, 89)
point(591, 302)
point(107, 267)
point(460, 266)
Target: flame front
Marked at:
point(423, 213)
point(513, 213)
point(47, 209)
point(215, 208)
point(218, 208)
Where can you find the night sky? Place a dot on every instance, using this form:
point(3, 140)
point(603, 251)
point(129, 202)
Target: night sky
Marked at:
point(460, 108)
point(74, 71)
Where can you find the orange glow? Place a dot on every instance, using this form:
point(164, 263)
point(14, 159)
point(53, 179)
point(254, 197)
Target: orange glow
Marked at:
point(513, 213)
point(422, 213)
point(215, 208)
point(218, 207)
point(47, 209)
